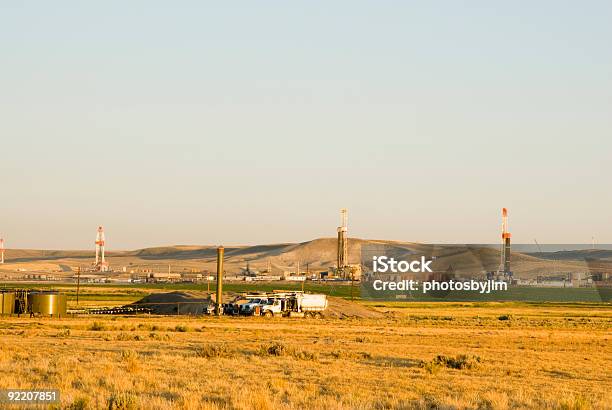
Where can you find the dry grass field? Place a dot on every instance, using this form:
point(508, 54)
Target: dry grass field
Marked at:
point(476, 356)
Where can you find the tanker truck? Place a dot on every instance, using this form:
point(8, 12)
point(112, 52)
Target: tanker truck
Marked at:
point(294, 304)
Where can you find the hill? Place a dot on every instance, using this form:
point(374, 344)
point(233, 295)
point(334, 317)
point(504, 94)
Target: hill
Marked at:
point(583, 254)
point(315, 255)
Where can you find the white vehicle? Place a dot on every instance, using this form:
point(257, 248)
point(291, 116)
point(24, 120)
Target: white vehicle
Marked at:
point(313, 303)
point(295, 304)
point(249, 308)
point(273, 307)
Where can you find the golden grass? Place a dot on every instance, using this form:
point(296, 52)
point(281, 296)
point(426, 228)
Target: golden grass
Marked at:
point(542, 357)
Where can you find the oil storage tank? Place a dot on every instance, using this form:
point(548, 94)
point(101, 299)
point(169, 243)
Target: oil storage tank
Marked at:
point(47, 303)
point(7, 302)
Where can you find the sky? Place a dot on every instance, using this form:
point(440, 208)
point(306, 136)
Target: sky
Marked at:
point(200, 122)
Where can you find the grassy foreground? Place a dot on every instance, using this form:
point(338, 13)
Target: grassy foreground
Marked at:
point(420, 355)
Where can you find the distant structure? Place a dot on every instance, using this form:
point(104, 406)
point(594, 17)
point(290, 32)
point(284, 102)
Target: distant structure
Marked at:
point(1, 251)
point(504, 266)
point(100, 265)
point(343, 242)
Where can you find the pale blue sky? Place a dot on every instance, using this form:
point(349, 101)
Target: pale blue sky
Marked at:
point(249, 122)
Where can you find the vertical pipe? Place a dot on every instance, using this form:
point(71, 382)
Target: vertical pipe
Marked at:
point(505, 262)
point(342, 252)
point(352, 284)
point(219, 299)
point(341, 244)
point(97, 249)
point(78, 284)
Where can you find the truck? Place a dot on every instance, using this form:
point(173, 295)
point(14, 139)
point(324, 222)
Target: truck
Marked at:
point(252, 305)
point(294, 304)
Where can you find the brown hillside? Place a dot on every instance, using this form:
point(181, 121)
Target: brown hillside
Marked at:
point(318, 254)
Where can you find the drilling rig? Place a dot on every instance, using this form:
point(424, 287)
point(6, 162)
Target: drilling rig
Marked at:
point(504, 265)
point(343, 244)
point(100, 265)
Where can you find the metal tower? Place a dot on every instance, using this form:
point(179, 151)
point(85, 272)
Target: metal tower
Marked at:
point(343, 241)
point(504, 266)
point(100, 264)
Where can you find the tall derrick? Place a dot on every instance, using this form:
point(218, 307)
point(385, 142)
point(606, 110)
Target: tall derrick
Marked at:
point(343, 242)
point(100, 265)
point(504, 265)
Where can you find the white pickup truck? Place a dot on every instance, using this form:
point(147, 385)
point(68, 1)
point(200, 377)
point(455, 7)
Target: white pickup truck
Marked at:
point(295, 304)
point(249, 308)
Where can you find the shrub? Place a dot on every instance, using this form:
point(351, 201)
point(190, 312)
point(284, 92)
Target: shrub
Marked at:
point(213, 350)
point(274, 349)
point(347, 354)
point(82, 403)
point(130, 358)
point(431, 367)
point(127, 336)
point(63, 333)
point(181, 328)
point(459, 362)
point(123, 336)
point(280, 349)
point(157, 336)
point(97, 326)
point(122, 401)
point(505, 317)
point(128, 354)
point(304, 355)
point(575, 403)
